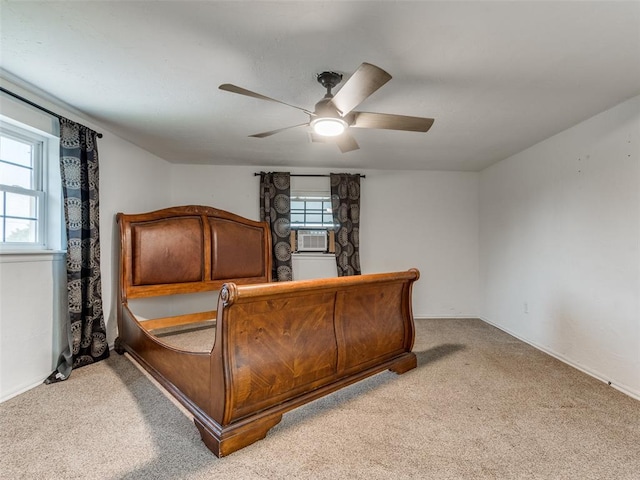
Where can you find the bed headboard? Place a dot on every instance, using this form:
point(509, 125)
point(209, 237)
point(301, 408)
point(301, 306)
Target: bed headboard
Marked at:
point(190, 249)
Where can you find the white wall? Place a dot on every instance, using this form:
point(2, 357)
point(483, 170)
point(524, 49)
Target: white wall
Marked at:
point(131, 181)
point(427, 220)
point(559, 245)
point(31, 286)
point(30, 325)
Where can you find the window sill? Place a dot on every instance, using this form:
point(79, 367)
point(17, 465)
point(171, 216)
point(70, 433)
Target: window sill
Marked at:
point(314, 254)
point(28, 255)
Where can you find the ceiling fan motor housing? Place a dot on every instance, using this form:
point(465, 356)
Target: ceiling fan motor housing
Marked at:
point(324, 108)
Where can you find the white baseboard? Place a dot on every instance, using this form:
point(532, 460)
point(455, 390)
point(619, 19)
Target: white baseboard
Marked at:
point(592, 373)
point(15, 393)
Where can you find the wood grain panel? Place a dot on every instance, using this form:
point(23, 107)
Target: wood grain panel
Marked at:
point(370, 324)
point(280, 347)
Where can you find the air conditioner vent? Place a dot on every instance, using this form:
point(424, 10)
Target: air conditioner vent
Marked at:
point(312, 240)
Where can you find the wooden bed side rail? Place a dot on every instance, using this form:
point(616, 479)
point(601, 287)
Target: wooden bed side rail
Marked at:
point(175, 321)
point(183, 373)
point(280, 345)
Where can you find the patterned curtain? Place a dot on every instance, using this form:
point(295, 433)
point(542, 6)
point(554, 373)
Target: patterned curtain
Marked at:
point(345, 203)
point(275, 208)
point(86, 327)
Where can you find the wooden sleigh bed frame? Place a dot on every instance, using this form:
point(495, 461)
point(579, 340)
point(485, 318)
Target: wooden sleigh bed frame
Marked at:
point(277, 345)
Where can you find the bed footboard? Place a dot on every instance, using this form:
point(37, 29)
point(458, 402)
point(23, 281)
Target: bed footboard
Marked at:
point(281, 345)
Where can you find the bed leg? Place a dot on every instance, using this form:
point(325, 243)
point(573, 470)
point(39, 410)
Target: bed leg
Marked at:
point(404, 364)
point(229, 439)
point(117, 346)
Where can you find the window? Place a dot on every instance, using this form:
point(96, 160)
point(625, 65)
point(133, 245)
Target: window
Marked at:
point(23, 200)
point(311, 211)
point(311, 222)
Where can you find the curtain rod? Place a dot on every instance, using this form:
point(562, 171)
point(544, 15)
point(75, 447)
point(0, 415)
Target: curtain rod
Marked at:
point(39, 107)
point(310, 175)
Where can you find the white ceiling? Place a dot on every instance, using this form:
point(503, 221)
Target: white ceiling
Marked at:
point(497, 77)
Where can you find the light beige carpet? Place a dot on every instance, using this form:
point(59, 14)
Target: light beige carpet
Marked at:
point(480, 405)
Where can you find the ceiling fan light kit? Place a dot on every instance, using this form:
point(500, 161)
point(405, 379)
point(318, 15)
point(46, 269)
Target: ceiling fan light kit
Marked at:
point(334, 115)
point(329, 127)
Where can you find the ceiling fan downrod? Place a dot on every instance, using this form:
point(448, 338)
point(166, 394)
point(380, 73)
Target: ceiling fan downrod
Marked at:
point(329, 80)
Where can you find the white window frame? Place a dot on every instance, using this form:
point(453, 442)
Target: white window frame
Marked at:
point(47, 189)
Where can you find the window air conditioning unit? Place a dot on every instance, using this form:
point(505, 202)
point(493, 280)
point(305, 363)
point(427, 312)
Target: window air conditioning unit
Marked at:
point(312, 240)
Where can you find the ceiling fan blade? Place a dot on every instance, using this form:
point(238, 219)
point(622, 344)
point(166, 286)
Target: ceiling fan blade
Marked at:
point(273, 132)
point(346, 142)
point(391, 122)
point(243, 91)
point(314, 137)
point(367, 79)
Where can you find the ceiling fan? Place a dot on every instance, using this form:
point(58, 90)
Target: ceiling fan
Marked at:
point(334, 115)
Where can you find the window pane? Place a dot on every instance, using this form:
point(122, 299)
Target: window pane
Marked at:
point(311, 211)
point(15, 176)
point(15, 151)
point(297, 218)
point(20, 205)
point(21, 230)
